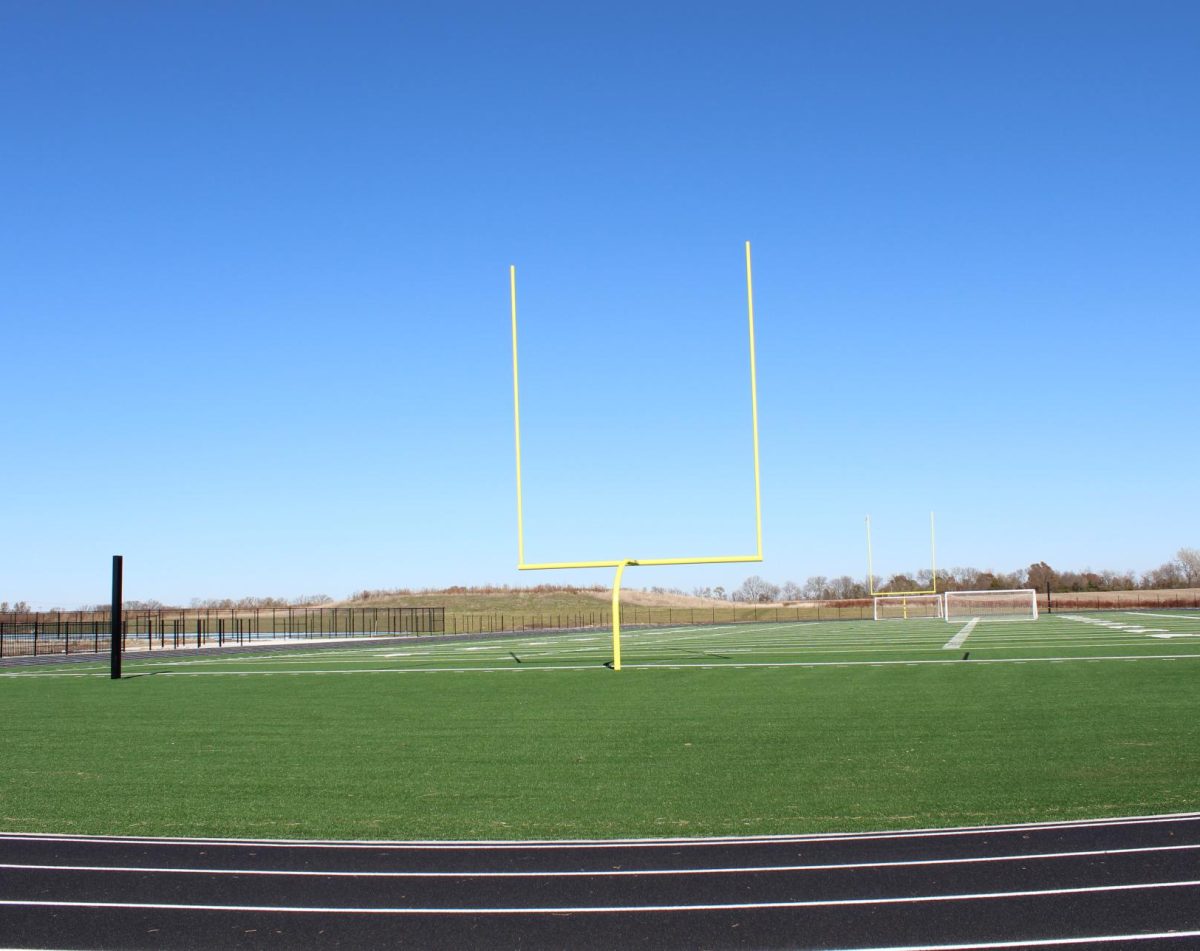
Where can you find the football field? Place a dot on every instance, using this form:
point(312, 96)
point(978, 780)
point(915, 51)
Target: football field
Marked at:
point(717, 730)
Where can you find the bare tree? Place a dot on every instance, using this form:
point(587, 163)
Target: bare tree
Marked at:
point(845, 587)
point(900, 582)
point(1189, 564)
point(756, 589)
point(817, 588)
point(1041, 576)
point(1168, 575)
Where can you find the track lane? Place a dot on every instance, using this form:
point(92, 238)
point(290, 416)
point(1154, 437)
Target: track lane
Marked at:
point(1111, 879)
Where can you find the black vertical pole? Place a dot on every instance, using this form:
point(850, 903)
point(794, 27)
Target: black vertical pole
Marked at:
point(1049, 607)
point(115, 656)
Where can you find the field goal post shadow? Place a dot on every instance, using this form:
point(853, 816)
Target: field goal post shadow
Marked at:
point(932, 564)
point(622, 563)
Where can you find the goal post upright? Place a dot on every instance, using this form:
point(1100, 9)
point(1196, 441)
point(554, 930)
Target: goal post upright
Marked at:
point(512, 283)
point(932, 564)
point(620, 564)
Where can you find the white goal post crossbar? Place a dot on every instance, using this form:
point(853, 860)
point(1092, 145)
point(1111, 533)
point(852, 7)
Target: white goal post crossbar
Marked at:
point(907, 607)
point(1016, 604)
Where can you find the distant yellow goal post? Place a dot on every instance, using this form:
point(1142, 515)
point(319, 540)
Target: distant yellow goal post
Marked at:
point(932, 567)
point(622, 563)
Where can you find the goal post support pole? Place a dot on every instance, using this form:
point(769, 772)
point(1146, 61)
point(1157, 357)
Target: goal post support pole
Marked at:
point(616, 614)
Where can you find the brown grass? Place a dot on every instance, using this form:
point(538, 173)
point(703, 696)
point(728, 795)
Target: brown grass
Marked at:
point(1105, 600)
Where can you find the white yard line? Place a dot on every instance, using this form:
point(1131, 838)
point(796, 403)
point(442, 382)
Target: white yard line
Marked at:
point(1110, 625)
point(957, 639)
point(1190, 617)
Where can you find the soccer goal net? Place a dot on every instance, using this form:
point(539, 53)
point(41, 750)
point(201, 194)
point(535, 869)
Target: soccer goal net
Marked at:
point(907, 607)
point(1018, 605)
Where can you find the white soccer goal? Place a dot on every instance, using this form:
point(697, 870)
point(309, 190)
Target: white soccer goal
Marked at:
point(1016, 605)
point(907, 607)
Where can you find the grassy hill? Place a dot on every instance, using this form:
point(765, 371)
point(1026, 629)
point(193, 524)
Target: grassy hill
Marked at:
point(557, 605)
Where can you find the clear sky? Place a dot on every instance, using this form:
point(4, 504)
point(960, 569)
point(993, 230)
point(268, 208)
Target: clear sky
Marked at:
point(254, 289)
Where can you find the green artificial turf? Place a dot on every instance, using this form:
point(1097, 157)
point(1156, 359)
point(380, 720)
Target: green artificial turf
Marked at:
point(525, 752)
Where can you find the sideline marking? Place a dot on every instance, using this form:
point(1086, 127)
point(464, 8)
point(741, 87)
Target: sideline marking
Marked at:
point(538, 844)
point(612, 909)
point(957, 639)
point(602, 873)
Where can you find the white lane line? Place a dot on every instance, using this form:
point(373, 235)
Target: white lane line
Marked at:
point(1033, 942)
point(957, 639)
point(604, 873)
point(537, 844)
point(614, 909)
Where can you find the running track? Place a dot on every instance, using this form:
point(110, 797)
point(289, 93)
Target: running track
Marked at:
point(1128, 883)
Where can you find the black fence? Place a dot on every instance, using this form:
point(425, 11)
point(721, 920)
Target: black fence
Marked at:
point(89, 632)
point(86, 632)
point(1118, 601)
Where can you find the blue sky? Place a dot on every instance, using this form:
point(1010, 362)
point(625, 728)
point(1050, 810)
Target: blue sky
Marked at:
point(254, 289)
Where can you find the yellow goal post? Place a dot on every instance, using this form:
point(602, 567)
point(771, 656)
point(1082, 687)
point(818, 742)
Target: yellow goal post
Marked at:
point(932, 566)
point(622, 563)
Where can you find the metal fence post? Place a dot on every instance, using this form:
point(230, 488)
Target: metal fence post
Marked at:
point(115, 620)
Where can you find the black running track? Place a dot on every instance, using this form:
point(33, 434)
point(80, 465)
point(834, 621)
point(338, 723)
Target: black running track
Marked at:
point(1128, 883)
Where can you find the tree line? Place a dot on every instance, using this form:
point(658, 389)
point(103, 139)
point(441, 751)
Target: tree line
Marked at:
point(1183, 571)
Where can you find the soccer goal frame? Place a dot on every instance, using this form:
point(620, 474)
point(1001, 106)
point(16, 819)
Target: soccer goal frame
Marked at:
point(932, 565)
point(622, 563)
point(910, 606)
point(1028, 595)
